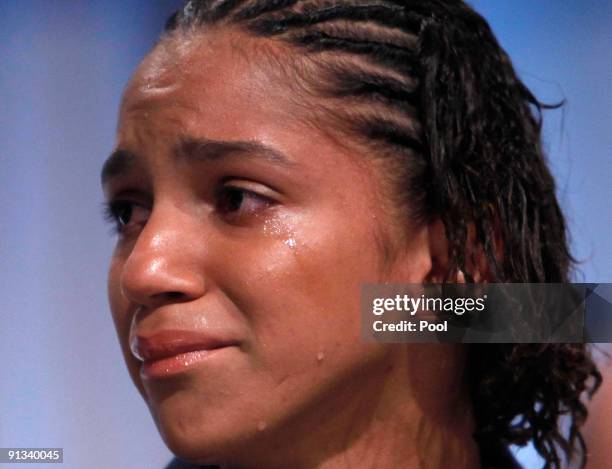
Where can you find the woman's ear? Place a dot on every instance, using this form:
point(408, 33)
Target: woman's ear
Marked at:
point(476, 263)
point(438, 250)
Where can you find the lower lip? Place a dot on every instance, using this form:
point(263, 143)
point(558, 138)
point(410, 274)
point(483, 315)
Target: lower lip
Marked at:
point(176, 364)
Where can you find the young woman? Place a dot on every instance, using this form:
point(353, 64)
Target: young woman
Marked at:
point(274, 155)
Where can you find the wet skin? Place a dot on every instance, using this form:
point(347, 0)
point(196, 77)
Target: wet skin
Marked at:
point(241, 220)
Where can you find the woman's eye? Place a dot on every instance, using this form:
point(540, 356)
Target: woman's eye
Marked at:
point(126, 215)
point(236, 202)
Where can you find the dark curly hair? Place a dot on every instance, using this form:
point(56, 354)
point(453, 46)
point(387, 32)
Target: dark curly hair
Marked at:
point(427, 85)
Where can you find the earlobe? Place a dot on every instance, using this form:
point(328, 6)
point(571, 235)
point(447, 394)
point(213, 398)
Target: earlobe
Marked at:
point(476, 267)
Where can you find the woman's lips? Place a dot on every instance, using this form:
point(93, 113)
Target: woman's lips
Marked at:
point(169, 352)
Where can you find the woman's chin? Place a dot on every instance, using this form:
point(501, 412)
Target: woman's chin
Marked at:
point(201, 436)
point(197, 444)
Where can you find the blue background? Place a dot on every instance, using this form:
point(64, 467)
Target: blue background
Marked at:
point(63, 65)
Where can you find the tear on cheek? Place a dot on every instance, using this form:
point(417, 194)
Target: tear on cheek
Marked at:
point(283, 230)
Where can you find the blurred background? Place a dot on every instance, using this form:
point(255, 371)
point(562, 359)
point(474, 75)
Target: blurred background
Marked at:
point(63, 65)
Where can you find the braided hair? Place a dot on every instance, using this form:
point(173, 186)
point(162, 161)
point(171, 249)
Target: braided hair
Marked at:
point(426, 85)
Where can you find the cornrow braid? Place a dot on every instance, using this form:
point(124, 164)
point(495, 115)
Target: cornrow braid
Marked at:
point(427, 82)
point(391, 16)
point(386, 89)
point(258, 8)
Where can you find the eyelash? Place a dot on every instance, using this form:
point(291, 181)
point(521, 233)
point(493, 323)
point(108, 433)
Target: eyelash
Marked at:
point(245, 195)
point(112, 214)
point(113, 209)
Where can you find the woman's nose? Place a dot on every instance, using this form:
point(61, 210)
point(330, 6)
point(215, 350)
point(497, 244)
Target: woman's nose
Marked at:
point(163, 266)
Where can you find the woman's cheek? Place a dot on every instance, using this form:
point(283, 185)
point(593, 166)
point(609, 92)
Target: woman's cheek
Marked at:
point(297, 282)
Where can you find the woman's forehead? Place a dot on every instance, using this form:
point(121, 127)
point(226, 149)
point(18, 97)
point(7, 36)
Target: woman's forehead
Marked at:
point(202, 71)
point(211, 54)
point(223, 85)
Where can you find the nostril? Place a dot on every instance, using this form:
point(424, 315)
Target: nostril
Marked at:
point(171, 296)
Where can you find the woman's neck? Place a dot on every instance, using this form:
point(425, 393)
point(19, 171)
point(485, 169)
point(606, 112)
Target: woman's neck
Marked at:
point(428, 444)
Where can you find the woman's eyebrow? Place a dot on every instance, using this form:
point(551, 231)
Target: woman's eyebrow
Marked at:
point(116, 164)
point(199, 149)
point(202, 149)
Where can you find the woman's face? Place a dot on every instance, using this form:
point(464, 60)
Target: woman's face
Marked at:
point(246, 236)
